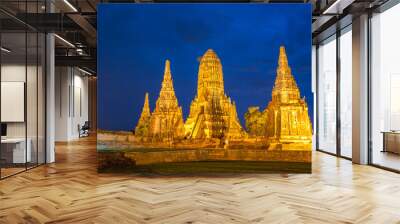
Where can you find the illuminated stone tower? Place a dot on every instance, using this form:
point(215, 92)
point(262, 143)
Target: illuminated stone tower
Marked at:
point(212, 113)
point(166, 121)
point(287, 113)
point(142, 126)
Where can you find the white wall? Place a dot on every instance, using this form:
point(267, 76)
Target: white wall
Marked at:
point(16, 73)
point(71, 102)
point(12, 73)
point(62, 82)
point(81, 97)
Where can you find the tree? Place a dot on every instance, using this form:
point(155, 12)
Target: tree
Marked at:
point(255, 121)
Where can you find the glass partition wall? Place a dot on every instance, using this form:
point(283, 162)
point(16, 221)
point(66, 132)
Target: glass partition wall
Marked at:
point(334, 84)
point(385, 89)
point(13, 87)
point(22, 98)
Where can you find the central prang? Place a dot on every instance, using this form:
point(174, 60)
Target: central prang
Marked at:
point(212, 113)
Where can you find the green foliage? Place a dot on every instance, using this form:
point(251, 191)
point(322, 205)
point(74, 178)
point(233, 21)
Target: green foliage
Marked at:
point(142, 129)
point(255, 121)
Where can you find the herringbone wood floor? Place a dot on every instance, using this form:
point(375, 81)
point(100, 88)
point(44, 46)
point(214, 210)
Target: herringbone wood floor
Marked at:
point(71, 191)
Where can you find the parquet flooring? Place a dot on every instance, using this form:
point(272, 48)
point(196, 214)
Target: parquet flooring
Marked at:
point(71, 191)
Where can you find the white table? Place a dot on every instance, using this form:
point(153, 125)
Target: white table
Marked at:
point(19, 153)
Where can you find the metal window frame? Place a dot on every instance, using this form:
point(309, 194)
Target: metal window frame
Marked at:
point(387, 5)
point(338, 153)
point(381, 9)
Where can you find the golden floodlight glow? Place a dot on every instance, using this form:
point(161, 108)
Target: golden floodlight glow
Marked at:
point(285, 120)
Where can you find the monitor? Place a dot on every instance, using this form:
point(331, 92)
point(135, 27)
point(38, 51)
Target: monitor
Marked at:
point(3, 129)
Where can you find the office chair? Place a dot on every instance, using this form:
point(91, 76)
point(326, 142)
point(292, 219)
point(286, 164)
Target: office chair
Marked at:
point(84, 130)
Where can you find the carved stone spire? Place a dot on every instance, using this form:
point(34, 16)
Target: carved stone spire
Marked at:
point(143, 123)
point(285, 89)
point(167, 98)
point(146, 106)
point(282, 61)
point(166, 119)
point(167, 71)
point(287, 113)
point(167, 91)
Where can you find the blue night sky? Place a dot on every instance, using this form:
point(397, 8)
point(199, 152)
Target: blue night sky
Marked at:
point(134, 40)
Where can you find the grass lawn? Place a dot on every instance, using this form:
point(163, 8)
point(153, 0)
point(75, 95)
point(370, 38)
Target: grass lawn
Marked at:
point(215, 167)
point(141, 149)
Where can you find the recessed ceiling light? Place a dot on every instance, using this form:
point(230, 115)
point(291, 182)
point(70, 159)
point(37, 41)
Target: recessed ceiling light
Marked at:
point(64, 40)
point(84, 71)
point(70, 5)
point(5, 50)
point(337, 7)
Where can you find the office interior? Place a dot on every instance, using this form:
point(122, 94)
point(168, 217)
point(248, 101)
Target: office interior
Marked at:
point(48, 101)
point(45, 87)
point(48, 79)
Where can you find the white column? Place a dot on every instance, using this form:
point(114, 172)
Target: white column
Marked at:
point(50, 92)
point(360, 90)
point(50, 99)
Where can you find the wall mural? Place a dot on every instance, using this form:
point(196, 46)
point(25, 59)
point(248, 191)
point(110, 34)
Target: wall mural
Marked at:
point(204, 88)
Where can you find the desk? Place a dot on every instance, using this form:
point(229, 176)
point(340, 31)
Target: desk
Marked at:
point(15, 148)
point(391, 141)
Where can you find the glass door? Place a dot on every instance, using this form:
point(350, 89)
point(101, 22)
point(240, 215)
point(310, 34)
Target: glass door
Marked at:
point(385, 89)
point(345, 92)
point(326, 95)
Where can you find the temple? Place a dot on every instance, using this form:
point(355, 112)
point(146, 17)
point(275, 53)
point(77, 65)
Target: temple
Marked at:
point(212, 113)
point(142, 126)
point(287, 119)
point(166, 121)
